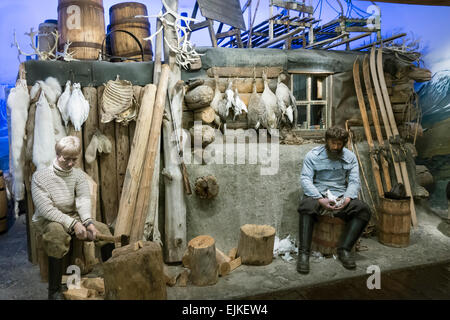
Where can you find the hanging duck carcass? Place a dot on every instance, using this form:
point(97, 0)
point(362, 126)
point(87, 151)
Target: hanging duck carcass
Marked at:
point(117, 102)
point(77, 107)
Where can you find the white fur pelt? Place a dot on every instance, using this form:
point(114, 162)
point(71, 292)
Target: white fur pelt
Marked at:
point(18, 104)
point(60, 129)
point(77, 107)
point(52, 89)
point(44, 134)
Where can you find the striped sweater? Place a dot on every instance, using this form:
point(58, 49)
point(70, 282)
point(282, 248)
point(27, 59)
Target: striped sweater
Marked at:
point(61, 195)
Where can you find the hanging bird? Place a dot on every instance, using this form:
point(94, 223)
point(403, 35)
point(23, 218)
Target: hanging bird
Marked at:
point(286, 100)
point(255, 109)
point(226, 104)
point(229, 95)
point(62, 103)
point(77, 107)
point(215, 103)
point(269, 100)
point(238, 105)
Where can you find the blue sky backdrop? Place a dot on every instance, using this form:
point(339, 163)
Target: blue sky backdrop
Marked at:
point(428, 23)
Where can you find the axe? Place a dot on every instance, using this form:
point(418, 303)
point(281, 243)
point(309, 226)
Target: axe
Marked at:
point(122, 239)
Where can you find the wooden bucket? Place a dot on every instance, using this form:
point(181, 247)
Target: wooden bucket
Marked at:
point(82, 22)
point(326, 235)
point(122, 17)
point(3, 205)
point(46, 40)
point(394, 224)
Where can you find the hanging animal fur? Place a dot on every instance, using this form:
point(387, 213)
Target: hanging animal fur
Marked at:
point(100, 143)
point(18, 103)
point(44, 137)
point(117, 102)
point(62, 102)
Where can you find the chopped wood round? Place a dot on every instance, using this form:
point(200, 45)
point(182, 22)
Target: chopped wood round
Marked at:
point(256, 244)
point(206, 187)
point(199, 97)
point(202, 261)
point(224, 263)
point(205, 115)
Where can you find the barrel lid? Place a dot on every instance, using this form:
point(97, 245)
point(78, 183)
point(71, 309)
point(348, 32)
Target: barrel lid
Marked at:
point(51, 21)
point(126, 4)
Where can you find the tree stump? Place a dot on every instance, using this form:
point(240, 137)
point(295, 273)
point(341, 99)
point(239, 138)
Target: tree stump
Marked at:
point(135, 273)
point(206, 187)
point(205, 115)
point(202, 261)
point(256, 244)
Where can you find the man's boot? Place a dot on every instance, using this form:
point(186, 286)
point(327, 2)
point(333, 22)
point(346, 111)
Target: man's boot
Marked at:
point(106, 251)
point(54, 278)
point(306, 227)
point(352, 232)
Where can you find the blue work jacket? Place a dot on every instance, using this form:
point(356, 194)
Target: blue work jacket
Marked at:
point(320, 173)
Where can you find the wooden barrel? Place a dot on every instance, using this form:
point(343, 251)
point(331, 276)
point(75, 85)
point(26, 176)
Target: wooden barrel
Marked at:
point(394, 224)
point(326, 235)
point(82, 22)
point(122, 17)
point(3, 205)
point(46, 40)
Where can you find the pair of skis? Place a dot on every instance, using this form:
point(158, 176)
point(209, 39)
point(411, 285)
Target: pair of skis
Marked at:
point(387, 115)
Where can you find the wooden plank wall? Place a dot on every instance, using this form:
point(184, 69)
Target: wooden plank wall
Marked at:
point(108, 170)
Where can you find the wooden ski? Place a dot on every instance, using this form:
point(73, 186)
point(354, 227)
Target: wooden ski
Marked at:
point(376, 122)
point(395, 133)
point(387, 127)
point(362, 108)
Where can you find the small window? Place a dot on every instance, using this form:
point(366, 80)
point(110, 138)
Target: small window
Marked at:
point(311, 92)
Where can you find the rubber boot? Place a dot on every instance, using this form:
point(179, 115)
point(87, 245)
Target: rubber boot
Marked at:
point(306, 227)
point(353, 231)
point(55, 278)
point(106, 251)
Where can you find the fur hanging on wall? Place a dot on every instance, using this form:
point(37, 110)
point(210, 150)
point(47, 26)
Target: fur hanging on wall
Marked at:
point(44, 134)
point(18, 104)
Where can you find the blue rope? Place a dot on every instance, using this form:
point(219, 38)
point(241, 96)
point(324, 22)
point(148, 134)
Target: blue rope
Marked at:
point(332, 7)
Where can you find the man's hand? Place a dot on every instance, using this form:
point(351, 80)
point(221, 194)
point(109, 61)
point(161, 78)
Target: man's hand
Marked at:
point(80, 231)
point(92, 232)
point(344, 204)
point(327, 203)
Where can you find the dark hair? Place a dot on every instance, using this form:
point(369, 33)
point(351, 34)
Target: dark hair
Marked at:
point(338, 133)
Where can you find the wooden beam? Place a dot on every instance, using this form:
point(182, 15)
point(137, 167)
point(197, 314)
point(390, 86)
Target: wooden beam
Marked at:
point(282, 37)
point(349, 40)
point(378, 42)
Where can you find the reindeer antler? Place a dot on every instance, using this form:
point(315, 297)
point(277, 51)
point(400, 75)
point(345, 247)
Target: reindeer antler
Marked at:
point(43, 55)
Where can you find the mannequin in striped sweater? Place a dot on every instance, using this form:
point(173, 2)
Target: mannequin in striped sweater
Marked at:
point(63, 209)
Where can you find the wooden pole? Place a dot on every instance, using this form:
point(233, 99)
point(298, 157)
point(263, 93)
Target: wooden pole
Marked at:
point(362, 108)
point(134, 168)
point(376, 122)
point(142, 204)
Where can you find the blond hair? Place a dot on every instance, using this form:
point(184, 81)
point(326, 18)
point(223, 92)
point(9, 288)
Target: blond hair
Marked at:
point(69, 146)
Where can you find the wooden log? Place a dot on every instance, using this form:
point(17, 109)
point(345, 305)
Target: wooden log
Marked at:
point(232, 253)
point(142, 202)
point(199, 97)
point(224, 263)
point(256, 244)
point(134, 168)
point(205, 115)
point(97, 284)
point(235, 263)
point(208, 135)
point(107, 169)
point(136, 275)
point(170, 278)
point(81, 294)
point(202, 261)
point(185, 259)
point(90, 127)
point(122, 155)
point(248, 72)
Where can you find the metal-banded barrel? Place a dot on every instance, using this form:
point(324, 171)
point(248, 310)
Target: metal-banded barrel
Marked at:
point(394, 224)
point(46, 40)
point(122, 18)
point(326, 235)
point(82, 22)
